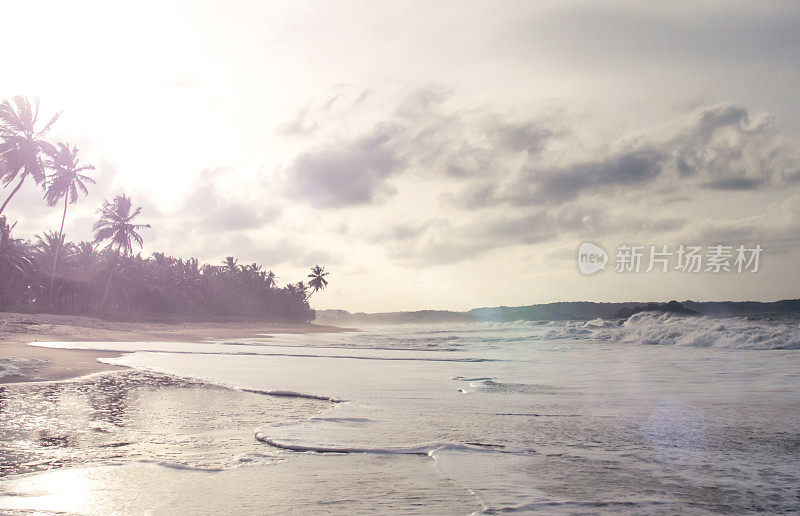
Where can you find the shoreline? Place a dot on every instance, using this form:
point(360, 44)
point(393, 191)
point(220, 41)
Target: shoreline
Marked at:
point(17, 330)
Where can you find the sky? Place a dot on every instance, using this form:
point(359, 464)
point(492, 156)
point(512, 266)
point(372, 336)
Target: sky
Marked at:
point(431, 155)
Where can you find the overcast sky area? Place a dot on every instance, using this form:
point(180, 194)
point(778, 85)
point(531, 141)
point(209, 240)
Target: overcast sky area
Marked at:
point(442, 155)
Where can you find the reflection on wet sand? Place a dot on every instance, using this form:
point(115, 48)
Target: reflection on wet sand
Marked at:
point(137, 442)
point(132, 415)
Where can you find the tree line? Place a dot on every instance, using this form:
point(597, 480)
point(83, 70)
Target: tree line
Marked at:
point(105, 275)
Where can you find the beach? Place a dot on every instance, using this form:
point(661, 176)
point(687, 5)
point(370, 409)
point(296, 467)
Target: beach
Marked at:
point(655, 414)
point(20, 362)
point(450, 258)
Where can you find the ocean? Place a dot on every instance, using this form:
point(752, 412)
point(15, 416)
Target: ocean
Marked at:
point(656, 414)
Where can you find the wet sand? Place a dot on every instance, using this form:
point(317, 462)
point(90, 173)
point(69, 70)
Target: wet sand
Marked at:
point(18, 330)
point(123, 416)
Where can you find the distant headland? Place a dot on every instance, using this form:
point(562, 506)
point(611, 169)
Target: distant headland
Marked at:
point(560, 311)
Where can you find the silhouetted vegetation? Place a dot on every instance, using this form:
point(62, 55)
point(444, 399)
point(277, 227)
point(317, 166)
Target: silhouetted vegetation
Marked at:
point(54, 275)
point(673, 307)
point(564, 311)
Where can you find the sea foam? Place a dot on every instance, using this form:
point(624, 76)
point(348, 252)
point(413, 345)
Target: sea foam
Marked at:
point(15, 366)
point(676, 330)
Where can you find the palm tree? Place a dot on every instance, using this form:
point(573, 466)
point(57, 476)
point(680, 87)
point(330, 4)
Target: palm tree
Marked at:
point(161, 261)
point(67, 179)
point(270, 279)
point(210, 270)
point(229, 264)
point(15, 263)
point(22, 148)
point(318, 281)
point(85, 254)
point(191, 267)
point(116, 226)
point(47, 247)
point(65, 183)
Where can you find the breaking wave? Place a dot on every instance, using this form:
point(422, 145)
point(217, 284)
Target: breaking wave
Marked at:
point(291, 394)
point(674, 330)
point(422, 449)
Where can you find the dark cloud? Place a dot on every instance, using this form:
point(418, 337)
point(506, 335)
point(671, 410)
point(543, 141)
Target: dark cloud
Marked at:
point(529, 136)
point(722, 143)
point(465, 144)
point(626, 169)
point(511, 180)
point(720, 147)
point(420, 135)
point(507, 159)
point(349, 173)
point(734, 183)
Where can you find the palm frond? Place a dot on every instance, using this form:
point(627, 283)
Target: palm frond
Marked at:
point(49, 124)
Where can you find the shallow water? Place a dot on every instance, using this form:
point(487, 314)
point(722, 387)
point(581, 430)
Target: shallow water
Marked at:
point(654, 415)
point(126, 416)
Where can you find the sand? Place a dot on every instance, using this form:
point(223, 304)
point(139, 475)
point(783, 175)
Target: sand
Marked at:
point(18, 330)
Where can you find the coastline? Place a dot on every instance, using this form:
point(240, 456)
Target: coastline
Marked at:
point(17, 330)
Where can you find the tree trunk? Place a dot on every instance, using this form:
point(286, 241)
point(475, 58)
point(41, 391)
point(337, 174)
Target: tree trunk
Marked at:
point(108, 282)
point(55, 258)
point(64, 216)
point(16, 189)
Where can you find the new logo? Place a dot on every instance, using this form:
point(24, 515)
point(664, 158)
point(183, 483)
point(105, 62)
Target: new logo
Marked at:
point(591, 258)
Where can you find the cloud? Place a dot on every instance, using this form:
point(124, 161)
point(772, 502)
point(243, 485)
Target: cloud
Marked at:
point(522, 136)
point(719, 147)
point(734, 183)
point(308, 118)
point(246, 249)
point(522, 179)
point(791, 176)
point(493, 180)
point(518, 160)
point(626, 169)
point(422, 102)
point(776, 229)
point(206, 206)
point(35, 217)
point(441, 241)
point(349, 173)
point(418, 136)
point(615, 34)
point(300, 124)
point(237, 217)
